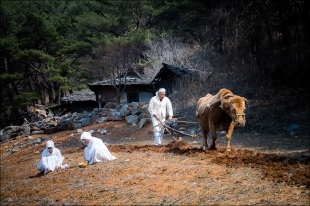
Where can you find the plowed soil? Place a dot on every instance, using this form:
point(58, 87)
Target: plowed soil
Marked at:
point(260, 170)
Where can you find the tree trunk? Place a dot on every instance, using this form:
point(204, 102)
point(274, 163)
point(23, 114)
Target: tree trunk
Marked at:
point(118, 96)
point(306, 21)
point(269, 34)
point(284, 30)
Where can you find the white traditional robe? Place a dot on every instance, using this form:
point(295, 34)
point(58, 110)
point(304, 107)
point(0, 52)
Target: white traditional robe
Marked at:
point(50, 160)
point(159, 108)
point(96, 151)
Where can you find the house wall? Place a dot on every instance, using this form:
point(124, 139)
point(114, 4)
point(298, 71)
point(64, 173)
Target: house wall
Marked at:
point(123, 97)
point(145, 96)
point(108, 93)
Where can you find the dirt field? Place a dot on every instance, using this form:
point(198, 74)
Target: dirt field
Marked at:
point(260, 170)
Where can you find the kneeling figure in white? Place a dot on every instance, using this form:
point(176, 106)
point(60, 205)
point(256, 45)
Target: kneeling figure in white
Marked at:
point(51, 159)
point(96, 151)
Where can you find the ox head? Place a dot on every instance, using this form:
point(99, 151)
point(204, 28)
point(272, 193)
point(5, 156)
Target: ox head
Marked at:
point(234, 107)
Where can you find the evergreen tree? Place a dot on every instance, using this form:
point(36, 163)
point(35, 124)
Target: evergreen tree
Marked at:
point(40, 53)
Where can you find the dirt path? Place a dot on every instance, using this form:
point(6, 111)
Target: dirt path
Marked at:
point(259, 170)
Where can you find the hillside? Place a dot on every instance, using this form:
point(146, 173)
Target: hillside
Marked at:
point(256, 48)
point(260, 169)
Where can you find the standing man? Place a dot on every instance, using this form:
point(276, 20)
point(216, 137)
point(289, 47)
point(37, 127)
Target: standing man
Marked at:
point(95, 150)
point(158, 107)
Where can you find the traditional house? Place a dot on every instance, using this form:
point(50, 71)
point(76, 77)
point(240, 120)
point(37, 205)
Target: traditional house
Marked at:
point(168, 76)
point(140, 88)
point(79, 101)
point(137, 88)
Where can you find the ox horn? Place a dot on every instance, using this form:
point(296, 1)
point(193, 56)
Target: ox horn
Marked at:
point(246, 101)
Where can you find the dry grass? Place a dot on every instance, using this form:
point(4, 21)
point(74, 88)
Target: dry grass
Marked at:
point(147, 175)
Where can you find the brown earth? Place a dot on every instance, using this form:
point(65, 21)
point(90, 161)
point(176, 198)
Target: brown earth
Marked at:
point(260, 170)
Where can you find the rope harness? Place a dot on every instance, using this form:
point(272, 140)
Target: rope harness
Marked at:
point(218, 100)
point(234, 116)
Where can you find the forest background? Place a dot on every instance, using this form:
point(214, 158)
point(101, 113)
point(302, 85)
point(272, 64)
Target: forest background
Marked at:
point(259, 49)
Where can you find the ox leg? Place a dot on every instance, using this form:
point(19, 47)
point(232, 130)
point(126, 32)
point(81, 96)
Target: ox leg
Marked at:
point(229, 135)
point(204, 139)
point(214, 137)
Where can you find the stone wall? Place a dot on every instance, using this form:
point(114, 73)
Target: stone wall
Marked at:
point(134, 113)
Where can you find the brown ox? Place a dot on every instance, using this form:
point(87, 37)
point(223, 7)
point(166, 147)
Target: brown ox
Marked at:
point(221, 112)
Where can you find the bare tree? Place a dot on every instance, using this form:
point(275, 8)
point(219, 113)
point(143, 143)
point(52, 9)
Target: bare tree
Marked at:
point(171, 50)
point(115, 62)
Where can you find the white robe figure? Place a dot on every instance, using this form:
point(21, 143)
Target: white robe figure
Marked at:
point(50, 160)
point(96, 151)
point(159, 108)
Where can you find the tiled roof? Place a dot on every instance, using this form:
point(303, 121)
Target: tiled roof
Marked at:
point(82, 95)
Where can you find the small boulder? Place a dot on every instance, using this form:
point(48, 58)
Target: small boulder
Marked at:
point(15, 149)
point(124, 112)
point(37, 141)
point(143, 122)
point(5, 136)
point(134, 104)
point(38, 132)
point(102, 119)
point(110, 105)
point(135, 111)
point(114, 115)
point(132, 119)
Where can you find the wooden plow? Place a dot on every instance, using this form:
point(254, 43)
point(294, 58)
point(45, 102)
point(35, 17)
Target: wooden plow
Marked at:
point(169, 129)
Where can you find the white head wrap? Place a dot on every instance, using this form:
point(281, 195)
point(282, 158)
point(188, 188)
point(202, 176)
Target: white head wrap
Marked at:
point(85, 135)
point(162, 90)
point(50, 144)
